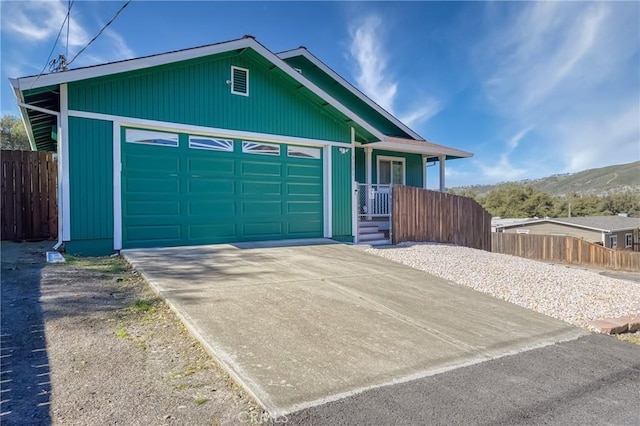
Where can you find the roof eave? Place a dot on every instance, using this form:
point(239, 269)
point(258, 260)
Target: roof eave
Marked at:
point(24, 115)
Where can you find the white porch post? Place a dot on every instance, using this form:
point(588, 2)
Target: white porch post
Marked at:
point(367, 165)
point(368, 171)
point(442, 159)
point(424, 171)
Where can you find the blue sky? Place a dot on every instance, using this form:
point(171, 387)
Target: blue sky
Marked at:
point(531, 88)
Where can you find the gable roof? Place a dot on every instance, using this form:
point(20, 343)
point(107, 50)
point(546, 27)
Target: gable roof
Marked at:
point(44, 88)
point(595, 223)
point(303, 52)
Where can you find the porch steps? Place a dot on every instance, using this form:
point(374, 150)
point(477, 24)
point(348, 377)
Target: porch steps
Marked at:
point(369, 233)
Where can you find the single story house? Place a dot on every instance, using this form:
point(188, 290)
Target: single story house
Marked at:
point(619, 232)
point(226, 142)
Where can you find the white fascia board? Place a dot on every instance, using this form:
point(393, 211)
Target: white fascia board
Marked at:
point(166, 58)
point(417, 148)
point(204, 131)
point(23, 114)
point(33, 82)
point(350, 87)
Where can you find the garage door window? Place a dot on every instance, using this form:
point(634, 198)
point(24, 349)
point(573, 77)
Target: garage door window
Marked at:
point(150, 137)
point(260, 148)
point(199, 142)
point(303, 152)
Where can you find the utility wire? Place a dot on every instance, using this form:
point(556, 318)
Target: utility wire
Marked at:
point(100, 32)
point(66, 52)
point(52, 47)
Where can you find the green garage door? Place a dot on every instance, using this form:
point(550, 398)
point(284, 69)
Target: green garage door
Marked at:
point(180, 189)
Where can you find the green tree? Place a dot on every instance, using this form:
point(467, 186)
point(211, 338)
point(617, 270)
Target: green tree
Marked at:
point(13, 134)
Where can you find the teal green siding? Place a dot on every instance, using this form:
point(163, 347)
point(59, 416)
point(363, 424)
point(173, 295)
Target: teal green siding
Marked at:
point(98, 247)
point(414, 168)
point(342, 189)
point(91, 182)
point(175, 196)
point(196, 92)
point(344, 96)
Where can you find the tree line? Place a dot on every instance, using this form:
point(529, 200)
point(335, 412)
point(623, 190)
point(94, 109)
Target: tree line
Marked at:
point(13, 134)
point(523, 200)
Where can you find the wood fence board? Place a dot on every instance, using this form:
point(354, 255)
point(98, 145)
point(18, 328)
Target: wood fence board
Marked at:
point(28, 195)
point(430, 216)
point(564, 249)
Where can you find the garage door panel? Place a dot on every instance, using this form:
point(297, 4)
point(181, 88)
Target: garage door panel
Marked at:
point(211, 186)
point(304, 227)
point(304, 189)
point(157, 232)
point(261, 168)
point(263, 229)
point(181, 196)
point(165, 186)
point(309, 171)
point(151, 163)
point(213, 209)
point(212, 166)
point(309, 207)
point(260, 208)
point(137, 208)
point(212, 231)
point(261, 188)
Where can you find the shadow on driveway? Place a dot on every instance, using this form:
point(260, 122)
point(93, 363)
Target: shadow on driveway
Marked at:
point(25, 386)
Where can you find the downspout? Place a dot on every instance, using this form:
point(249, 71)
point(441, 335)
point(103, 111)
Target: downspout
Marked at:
point(58, 124)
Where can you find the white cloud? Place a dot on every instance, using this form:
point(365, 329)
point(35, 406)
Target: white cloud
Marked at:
point(367, 49)
point(373, 76)
point(39, 21)
point(571, 68)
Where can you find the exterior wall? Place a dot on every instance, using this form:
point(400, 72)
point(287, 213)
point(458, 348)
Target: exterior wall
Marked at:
point(91, 186)
point(557, 229)
point(413, 164)
point(621, 239)
point(196, 92)
point(342, 195)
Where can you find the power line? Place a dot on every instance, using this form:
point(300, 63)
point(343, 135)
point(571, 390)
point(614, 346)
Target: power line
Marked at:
point(66, 52)
point(53, 47)
point(100, 32)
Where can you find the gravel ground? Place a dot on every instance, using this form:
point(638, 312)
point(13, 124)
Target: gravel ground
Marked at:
point(87, 343)
point(569, 294)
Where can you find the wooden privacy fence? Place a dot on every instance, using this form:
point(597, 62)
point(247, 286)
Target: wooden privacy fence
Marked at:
point(28, 195)
point(430, 216)
point(564, 249)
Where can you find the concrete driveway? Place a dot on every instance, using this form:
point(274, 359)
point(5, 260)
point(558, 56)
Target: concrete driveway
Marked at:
point(301, 325)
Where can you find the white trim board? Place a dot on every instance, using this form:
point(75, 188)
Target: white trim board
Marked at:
point(204, 131)
point(117, 187)
point(63, 162)
point(302, 51)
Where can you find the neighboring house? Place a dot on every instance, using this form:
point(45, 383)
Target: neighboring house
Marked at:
point(498, 222)
point(611, 231)
point(221, 143)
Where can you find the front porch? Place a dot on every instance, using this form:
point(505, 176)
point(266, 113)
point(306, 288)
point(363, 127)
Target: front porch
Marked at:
point(381, 165)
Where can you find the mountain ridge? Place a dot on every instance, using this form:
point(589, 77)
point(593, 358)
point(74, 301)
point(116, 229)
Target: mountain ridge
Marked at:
point(614, 179)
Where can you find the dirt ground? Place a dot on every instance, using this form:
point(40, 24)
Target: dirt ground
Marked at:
point(87, 342)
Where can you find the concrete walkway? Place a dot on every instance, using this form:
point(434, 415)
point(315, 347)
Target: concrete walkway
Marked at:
point(301, 325)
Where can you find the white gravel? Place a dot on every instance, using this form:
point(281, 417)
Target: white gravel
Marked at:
point(573, 295)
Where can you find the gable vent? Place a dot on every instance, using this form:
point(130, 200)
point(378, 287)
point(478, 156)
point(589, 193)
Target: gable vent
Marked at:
point(240, 81)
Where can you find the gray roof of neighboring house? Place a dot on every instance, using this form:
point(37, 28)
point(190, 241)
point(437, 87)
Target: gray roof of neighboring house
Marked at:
point(598, 223)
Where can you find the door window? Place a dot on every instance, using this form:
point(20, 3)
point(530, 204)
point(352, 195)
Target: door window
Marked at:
point(391, 171)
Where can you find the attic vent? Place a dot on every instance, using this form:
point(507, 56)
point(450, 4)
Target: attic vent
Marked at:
point(239, 81)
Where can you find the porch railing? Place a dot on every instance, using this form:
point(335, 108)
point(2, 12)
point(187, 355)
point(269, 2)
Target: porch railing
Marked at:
point(374, 201)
